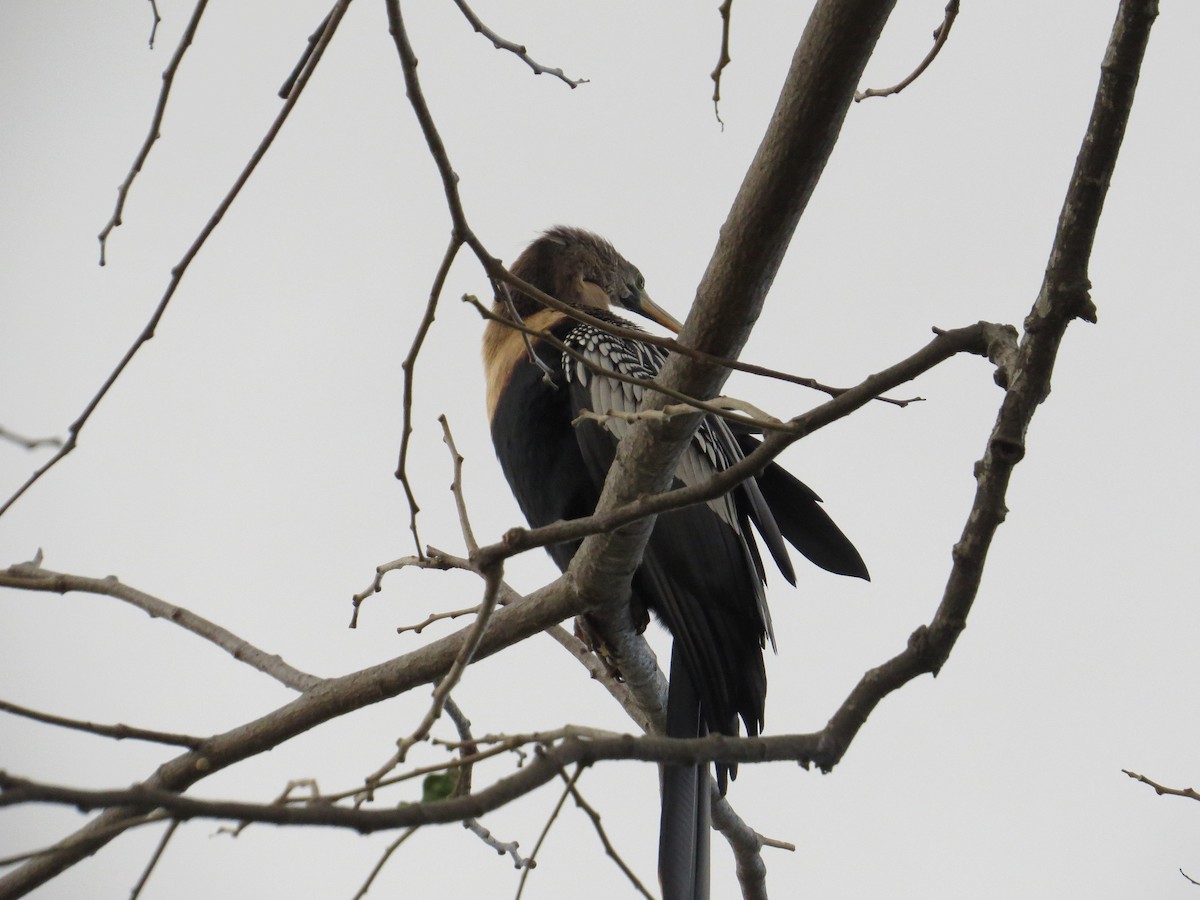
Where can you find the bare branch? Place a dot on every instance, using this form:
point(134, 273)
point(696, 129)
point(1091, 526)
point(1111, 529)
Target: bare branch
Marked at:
point(503, 848)
point(940, 35)
point(387, 854)
point(723, 60)
point(168, 78)
point(462, 764)
point(573, 788)
point(517, 50)
point(550, 820)
point(554, 752)
point(1162, 790)
point(468, 747)
point(32, 577)
point(460, 502)
point(154, 24)
point(167, 835)
point(119, 732)
point(436, 617)
point(438, 562)
point(408, 64)
point(409, 369)
point(289, 85)
point(27, 442)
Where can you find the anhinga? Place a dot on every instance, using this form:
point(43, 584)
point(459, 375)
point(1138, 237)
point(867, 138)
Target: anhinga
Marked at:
point(701, 572)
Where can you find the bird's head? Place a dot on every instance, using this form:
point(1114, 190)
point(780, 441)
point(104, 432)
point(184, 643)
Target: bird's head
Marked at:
point(585, 271)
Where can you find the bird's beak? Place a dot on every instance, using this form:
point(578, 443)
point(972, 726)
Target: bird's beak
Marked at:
point(656, 313)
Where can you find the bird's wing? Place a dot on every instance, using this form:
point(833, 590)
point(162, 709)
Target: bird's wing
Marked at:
point(699, 573)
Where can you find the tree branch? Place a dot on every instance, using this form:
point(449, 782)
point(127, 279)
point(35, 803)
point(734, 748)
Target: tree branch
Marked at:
point(1163, 790)
point(27, 442)
point(518, 50)
point(1063, 297)
point(168, 78)
point(940, 35)
point(30, 576)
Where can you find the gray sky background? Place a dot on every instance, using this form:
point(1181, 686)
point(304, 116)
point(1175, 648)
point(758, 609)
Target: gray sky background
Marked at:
point(242, 467)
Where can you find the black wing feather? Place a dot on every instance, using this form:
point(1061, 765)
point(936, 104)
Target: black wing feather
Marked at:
point(797, 510)
point(698, 573)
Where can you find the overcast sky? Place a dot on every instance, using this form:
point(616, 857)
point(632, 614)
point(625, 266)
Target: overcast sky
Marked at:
point(242, 466)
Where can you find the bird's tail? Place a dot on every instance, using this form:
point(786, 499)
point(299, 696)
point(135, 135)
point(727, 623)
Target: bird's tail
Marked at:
point(685, 826)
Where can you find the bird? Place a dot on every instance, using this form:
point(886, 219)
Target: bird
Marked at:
point(702, 574)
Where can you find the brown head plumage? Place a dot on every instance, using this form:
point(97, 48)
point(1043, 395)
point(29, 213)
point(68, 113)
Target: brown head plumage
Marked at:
point(583, 270)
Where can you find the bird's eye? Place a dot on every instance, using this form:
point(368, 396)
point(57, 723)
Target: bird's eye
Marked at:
point(641, 282)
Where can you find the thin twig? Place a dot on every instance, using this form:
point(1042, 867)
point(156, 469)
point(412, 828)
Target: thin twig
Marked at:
point(154, 24)
point(409, 369)
point(572, 786)
point(726, 11)
point(436, 617)
point(1161, 790)
point(503, 848)
point(940, 35)
point(460, 233)
point(378, 867)
point(550, 820)
point(286, 796)
point(456, 488)
point(27, 442)
point(503, 291)
point(404, 562)
point(517, 50)
point(462, 764)
point(119, 732)
point(181, 267)
point(167, 835)
point(468, 748)
point(168, 78)
point(285, 90)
